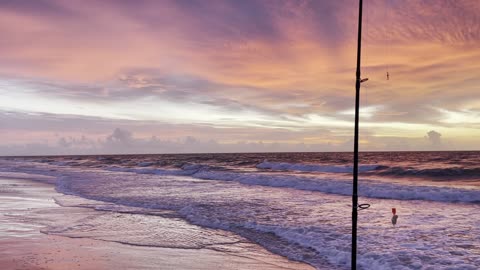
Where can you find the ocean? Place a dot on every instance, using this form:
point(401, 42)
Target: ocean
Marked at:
point(297, 205)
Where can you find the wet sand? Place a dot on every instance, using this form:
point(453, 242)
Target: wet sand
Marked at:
point(25, 204)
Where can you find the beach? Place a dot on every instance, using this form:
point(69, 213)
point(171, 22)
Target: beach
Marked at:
point(27, 207)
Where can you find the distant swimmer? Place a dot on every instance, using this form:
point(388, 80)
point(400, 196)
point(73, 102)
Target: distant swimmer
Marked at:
point(394, 217)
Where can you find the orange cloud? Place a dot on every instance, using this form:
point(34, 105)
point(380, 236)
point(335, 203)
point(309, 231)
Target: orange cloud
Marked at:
point(276, 62)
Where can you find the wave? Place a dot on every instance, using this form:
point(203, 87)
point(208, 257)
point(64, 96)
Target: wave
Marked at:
point(185, 169)
point(151, 171)
point(458, 172)
point(367, 188)
point(284, 166)
point(337, 186)
point(327, 184)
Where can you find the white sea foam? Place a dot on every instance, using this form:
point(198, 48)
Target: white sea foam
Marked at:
point(423, 240)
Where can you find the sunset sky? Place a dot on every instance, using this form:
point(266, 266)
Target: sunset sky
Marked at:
point(80, 77)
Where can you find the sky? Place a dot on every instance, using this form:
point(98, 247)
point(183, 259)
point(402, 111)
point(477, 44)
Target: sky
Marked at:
point(120, 76)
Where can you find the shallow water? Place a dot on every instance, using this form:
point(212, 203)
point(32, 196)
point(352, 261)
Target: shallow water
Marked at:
point(296, 205)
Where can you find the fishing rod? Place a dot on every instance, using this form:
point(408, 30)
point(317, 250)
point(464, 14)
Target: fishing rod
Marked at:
point(355, 205)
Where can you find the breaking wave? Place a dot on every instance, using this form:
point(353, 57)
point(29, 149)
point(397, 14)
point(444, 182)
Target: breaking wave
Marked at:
point(284, 166)
point(339, 184)
point(458, 172)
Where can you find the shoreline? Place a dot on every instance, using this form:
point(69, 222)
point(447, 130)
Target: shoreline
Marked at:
point(27, 206)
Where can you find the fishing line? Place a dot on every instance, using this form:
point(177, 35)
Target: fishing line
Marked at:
point(366, 65)
point(387, 39)
point(367, 54)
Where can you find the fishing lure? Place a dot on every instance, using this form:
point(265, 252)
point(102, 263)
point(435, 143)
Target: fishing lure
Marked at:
point(394, 217)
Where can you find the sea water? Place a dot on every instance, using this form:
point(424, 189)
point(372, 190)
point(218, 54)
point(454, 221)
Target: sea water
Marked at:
point(297, 205)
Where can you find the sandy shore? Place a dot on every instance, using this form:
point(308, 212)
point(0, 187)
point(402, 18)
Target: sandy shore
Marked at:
point(24, 204)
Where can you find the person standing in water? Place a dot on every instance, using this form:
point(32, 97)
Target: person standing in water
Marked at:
point(394, 217)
